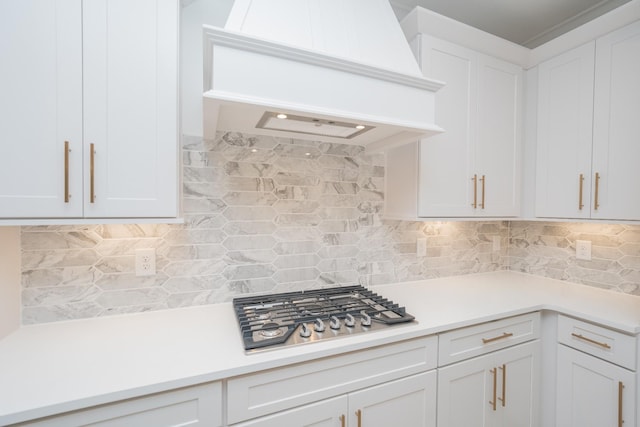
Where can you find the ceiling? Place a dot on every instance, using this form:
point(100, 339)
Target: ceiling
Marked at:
point(529, 23)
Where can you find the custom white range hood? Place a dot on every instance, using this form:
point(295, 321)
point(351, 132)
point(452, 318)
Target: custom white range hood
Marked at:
point(324, 70)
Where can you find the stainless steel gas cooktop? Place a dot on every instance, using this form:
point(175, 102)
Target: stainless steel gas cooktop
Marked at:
point(276, 320)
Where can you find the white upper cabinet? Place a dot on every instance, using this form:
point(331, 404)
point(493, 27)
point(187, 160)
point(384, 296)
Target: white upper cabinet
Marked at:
point(41, 108)
point(588, 109)
point(472, 169)
point(93, 109)
point(565, 108)
point(616, 126)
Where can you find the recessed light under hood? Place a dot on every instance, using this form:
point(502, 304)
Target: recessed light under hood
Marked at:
point(310, 125)
point(336, 63)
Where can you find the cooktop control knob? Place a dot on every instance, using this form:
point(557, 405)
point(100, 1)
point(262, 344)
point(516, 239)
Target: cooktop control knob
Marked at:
point(334, 323)
point(366, 319)
point(305, 332)
point(350, 321)
point(318, 325)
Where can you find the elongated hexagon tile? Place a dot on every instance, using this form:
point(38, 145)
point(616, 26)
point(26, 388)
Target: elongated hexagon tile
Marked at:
point(235, 228)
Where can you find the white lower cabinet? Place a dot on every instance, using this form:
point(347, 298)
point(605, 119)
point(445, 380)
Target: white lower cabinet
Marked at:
point(393, 384)
point(496, 389)
point(596, 381)
point(199, 405)
point(592, 392)
point(406, 402)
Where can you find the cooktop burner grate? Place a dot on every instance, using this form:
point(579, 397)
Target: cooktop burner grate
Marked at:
point(271, 320)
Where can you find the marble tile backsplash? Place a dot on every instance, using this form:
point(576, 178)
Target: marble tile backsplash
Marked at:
point(262, 214)
point(548, 249)
point(267, 214)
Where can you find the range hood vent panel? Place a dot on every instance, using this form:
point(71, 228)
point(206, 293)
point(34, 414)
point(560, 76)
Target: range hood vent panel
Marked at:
point(248, 73)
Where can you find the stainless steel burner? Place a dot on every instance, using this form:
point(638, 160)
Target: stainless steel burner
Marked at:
point(309, 316)
point(271, 330)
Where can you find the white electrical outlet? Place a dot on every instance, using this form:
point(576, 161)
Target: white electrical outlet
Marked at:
point(496, 243)
point(145, 262)
point(421, 247)
point(583, 249)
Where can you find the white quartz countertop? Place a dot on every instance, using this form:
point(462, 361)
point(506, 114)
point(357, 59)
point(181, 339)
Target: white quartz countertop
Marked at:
point(57, 367)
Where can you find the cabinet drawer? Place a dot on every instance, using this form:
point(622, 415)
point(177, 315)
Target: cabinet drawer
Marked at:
point(472, 341)
point(266, 392)
point(199, 405)
point(599, 341)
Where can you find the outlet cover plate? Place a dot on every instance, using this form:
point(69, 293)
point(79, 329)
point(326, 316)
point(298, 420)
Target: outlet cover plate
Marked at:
point(145, 262)
point(583, 250)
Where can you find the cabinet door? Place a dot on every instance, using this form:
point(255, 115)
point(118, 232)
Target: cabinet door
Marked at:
point(498, 144)
point(616, 125)
point(130, 107)
point(565, 107)
point(445, 187)
point(518, 385)
point(41, 108)
point(465, 393)
point(409, 401)
point(592, 392)
point(327, 413)
point(497, 389)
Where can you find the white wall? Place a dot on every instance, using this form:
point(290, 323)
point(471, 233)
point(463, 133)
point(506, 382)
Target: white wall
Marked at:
point(9, 280)
point(194, 15)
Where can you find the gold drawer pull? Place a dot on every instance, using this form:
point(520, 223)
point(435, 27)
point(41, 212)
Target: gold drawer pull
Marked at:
point(580, 204)
point(92, 181)
point(483, 180)
point(359, 415)
point(66, 171)
point(342, 420)
point(500, 337)
point(475, 191)
point(589, 340)
point(504, 385)
point(494, 373)
point(620, 388)
point(596, 203)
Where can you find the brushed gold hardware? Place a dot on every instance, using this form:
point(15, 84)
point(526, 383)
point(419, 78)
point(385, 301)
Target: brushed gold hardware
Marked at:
point(596, 205)
point(589, 340)
point(483, 180)
point(580, 204)
point(500, 337)
point(494, 372)
point(66, 171)
point(359, 415)
point(475, 191)
point(504, 385)
point(92, 188)
point(342, 420)
point(620, 388)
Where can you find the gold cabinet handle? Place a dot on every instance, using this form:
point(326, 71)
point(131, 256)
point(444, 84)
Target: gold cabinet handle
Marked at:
point(494, 372)
point(504, 385)
point(92, 188)
point(596, 205)
point(359, 416)
point(580, 204)
point(342, 420)
point(475, 191)
point(589, 340)
point(500, 337)
point(483, 180)
point(620, 388)
point(66, 171)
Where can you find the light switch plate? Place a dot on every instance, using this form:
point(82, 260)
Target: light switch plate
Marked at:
point(496, 243)
point(583, 249)
point(421, 247)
